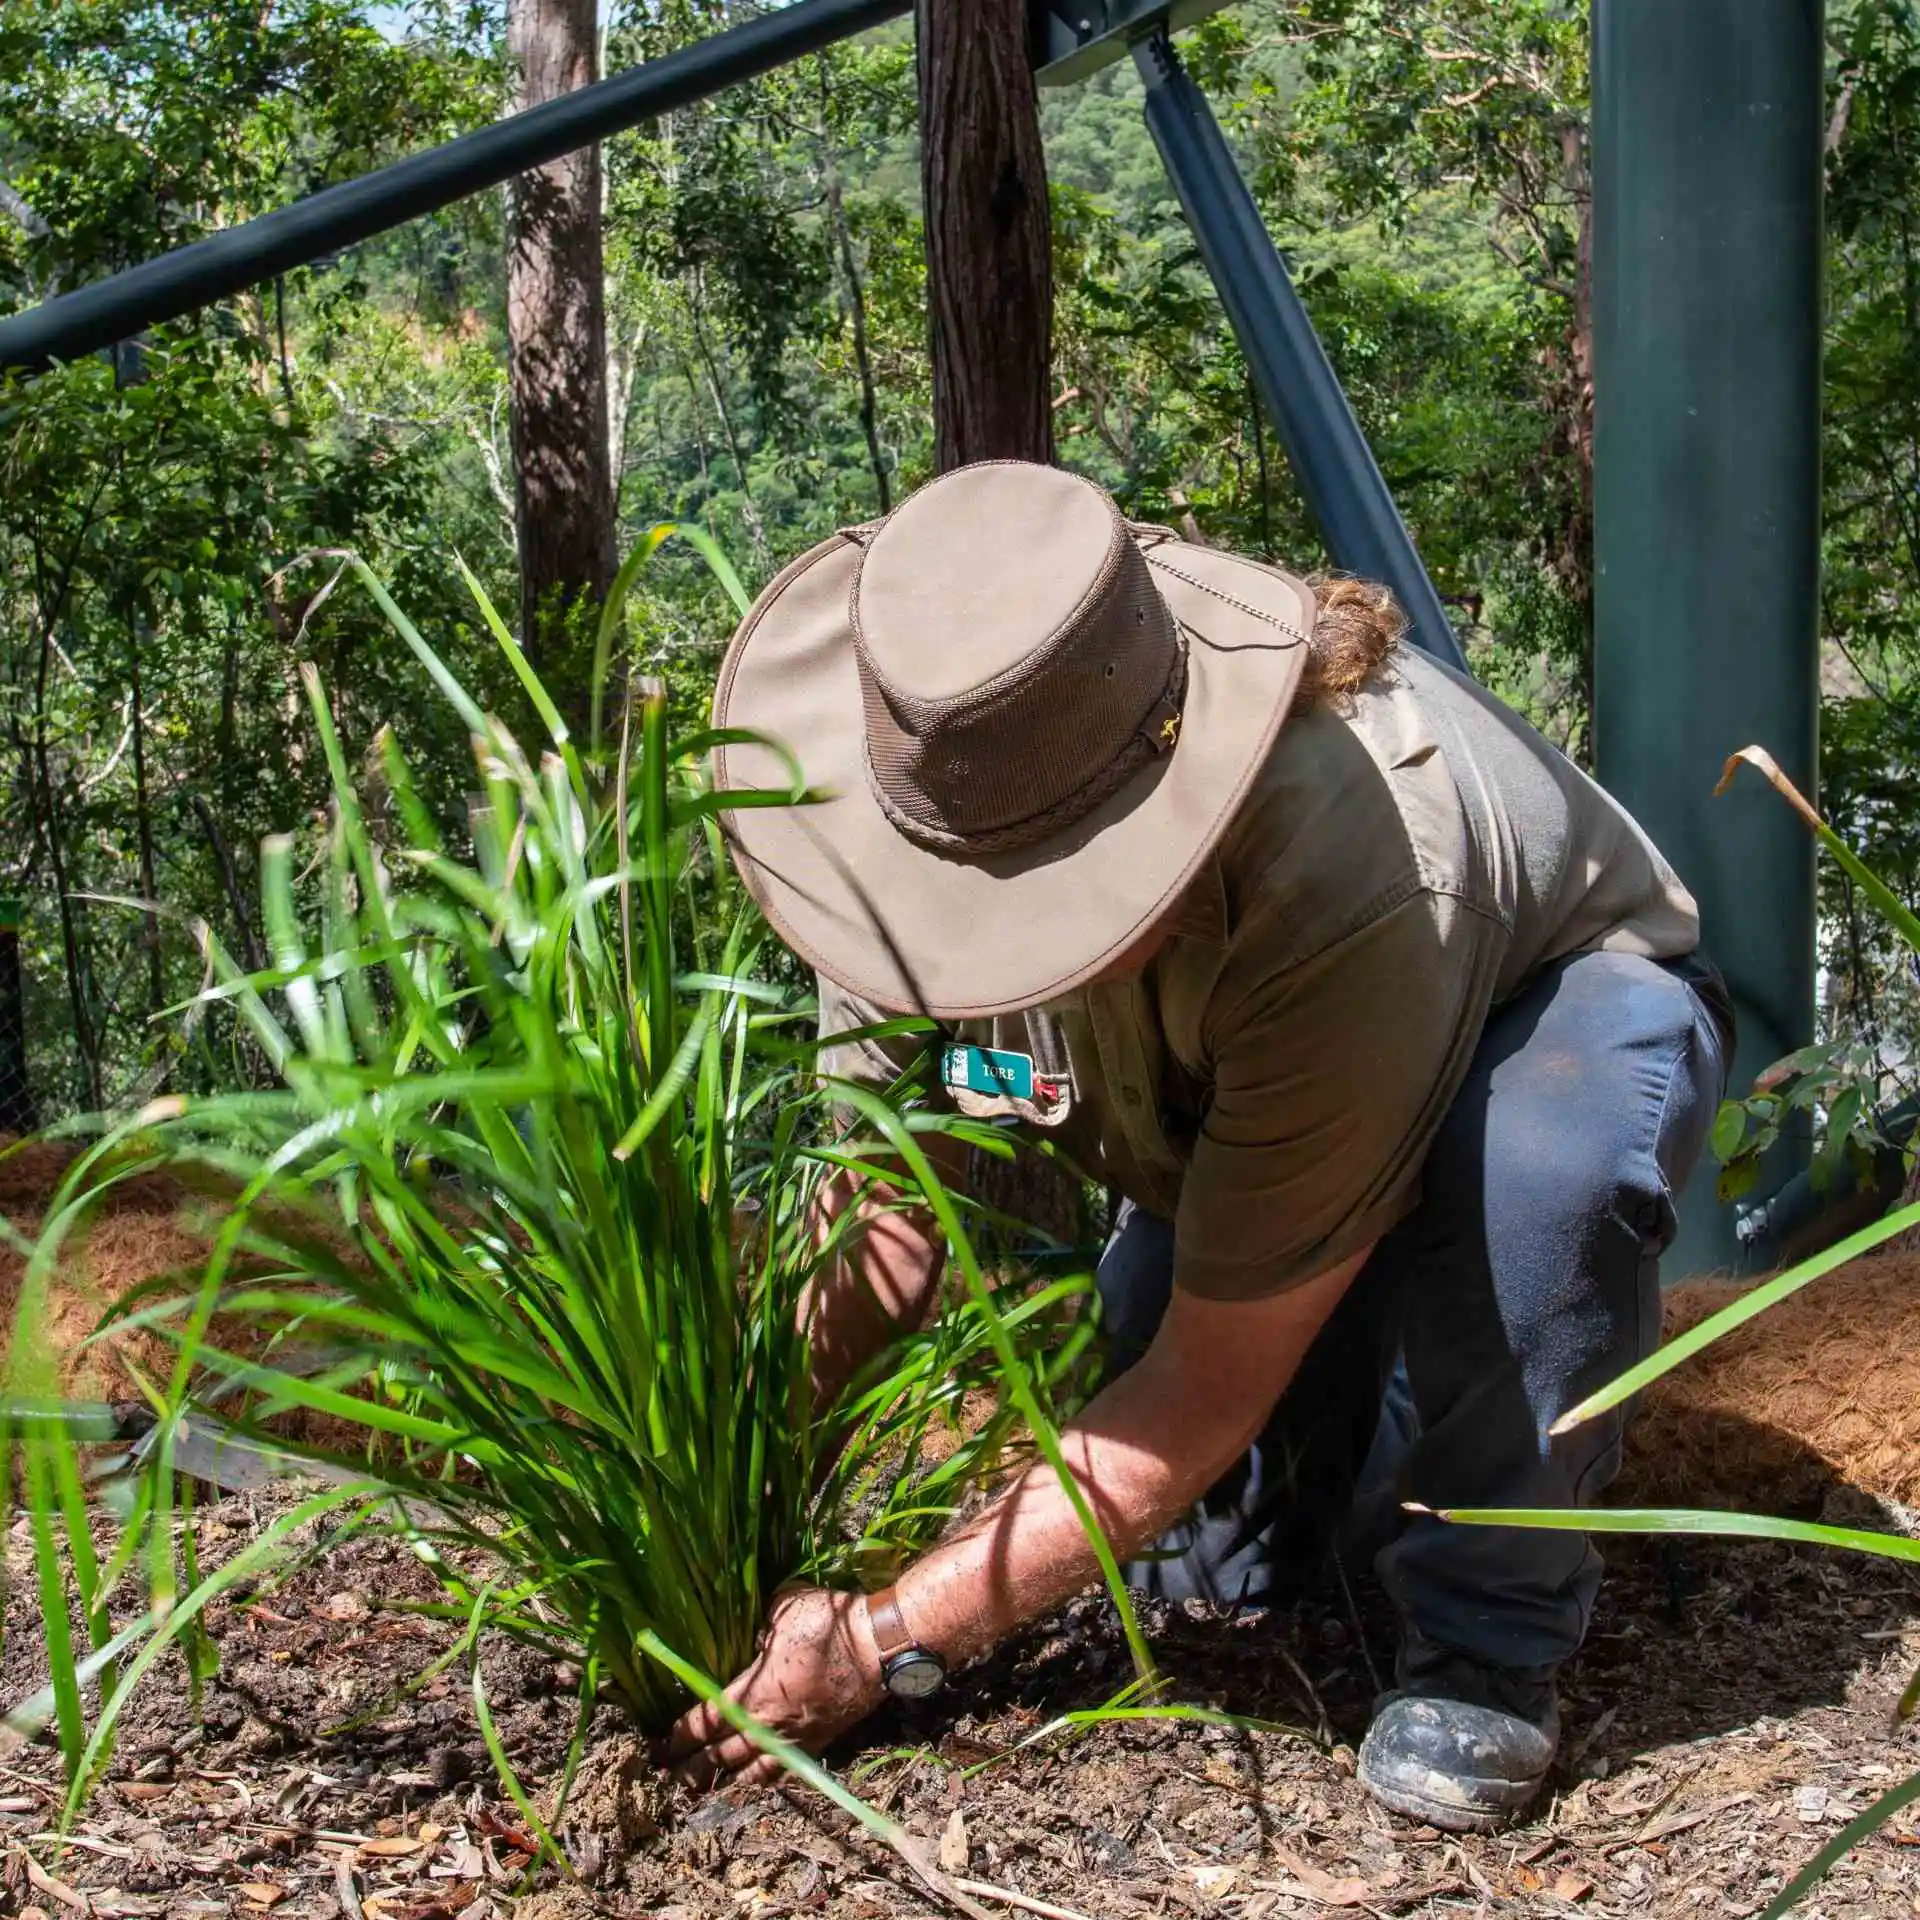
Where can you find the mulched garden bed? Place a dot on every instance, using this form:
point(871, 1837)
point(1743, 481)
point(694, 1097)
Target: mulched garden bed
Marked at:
point(1732, 1709)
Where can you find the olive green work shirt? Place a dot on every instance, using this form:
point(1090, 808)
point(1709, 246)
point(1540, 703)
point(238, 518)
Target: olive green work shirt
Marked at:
point(1273, 1079)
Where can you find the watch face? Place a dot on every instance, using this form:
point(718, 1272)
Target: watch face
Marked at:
point(914, 1674)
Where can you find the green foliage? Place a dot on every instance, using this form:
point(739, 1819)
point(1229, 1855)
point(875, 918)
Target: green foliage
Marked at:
point(1840, 1084)
point(152, 513)
point(1870, 726)
point(530, 1218)
point(1424, 166)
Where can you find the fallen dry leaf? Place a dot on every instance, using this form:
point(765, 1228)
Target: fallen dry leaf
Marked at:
point(1315, 1883)
point(1571, 1886)
point(144, 1789)
point(55, 1889)
point(260, 1893)
point(954, 1848)
point(1669, 1824)
point(463, 1861)
point(393, 1846)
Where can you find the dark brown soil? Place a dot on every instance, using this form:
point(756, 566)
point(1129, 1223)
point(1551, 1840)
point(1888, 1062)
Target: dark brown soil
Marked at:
point(1732, 1709)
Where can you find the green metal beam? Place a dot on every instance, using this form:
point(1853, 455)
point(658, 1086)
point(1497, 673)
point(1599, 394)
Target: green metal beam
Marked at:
point(1707, 151)
point(174, 284)
point(1073, 38)
point(1333, 466)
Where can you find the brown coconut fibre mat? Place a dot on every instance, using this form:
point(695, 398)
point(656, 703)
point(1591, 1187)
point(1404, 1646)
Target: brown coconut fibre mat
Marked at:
point(1823, 1389)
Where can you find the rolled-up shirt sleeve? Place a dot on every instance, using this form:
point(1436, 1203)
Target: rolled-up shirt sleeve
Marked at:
point(867, 1061)
point(1331, 1078)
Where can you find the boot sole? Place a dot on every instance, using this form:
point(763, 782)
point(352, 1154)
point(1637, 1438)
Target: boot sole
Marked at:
point(1455, 1814)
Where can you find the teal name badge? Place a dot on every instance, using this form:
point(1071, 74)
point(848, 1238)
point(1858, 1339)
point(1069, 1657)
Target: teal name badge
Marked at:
point(988, 1070)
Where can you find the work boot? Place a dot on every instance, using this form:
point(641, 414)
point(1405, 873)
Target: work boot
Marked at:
point(1458, 1744)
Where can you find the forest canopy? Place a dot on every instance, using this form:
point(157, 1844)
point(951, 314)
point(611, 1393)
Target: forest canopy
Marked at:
point(171, 515)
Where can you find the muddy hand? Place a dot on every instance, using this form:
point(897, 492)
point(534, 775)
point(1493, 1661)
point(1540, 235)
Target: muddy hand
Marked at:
point(815, 1676)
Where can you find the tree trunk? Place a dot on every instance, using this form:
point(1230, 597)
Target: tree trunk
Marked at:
point(749, 506)
point(989, 237)
point(990, 305)
point(143, 832)
point(18, 1114)
point(557, 339)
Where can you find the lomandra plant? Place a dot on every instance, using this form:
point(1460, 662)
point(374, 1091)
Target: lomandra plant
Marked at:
point(1735, 1140)
point(526, 1225)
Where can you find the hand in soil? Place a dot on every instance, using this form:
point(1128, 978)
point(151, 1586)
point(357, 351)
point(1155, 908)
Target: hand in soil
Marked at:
point(817, 1675)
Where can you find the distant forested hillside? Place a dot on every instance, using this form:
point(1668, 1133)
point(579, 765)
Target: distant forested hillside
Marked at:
point(169, 518)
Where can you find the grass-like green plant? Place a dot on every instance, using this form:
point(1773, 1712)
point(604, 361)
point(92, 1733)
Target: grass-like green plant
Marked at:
point(528, 1219)
point(1756, 1300)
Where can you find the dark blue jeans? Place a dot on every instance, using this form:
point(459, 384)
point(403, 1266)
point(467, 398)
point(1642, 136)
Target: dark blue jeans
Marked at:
point(1527, 1276)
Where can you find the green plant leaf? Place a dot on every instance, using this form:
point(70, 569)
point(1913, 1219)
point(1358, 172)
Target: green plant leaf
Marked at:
point(1704, 1520)
point(1842, 1843)
point(550, 1341)
point(803, 1767)
point(1898, 913)
point(1729, 1129)
point(1756, 1301)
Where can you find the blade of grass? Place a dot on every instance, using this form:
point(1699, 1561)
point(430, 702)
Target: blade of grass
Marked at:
point(171, 1623)
point(1755, 1301)
point(1748, 1526)
point(1904, 920)
point(1842, 1843)
point(1019, 1381)
point(609, 623)
point(804, 1767)
point(490, 1734)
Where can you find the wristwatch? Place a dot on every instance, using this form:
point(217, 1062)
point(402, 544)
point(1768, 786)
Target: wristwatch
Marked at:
point(908, 1670)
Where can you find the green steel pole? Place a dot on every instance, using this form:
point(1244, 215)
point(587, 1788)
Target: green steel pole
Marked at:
point(1707, 154)
point(1334, 467)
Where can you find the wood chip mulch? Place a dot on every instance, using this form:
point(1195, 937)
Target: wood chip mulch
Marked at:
point(1732, 1710)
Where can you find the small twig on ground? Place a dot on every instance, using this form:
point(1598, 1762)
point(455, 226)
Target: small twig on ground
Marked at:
point(1024, 1901)
point(920, 1860)
point(38, 1876)
point(91, 1845)
point(1359, 1627)
point(1324, 1731)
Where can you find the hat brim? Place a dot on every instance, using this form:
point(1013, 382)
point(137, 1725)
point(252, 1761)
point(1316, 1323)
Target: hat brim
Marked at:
point(957, 937)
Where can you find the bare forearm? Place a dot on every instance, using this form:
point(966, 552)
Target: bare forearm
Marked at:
point(1143, 1451)
point(885, 1283)
point(1029, 1552)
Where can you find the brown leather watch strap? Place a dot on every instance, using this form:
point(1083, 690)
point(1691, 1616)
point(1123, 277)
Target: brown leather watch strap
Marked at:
point(890, 1635)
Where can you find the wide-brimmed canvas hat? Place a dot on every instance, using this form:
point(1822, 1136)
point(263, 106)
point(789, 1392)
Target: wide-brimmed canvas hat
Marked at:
point(1031, 722)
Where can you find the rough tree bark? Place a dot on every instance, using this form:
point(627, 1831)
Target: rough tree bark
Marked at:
point(989, 243)
point(18, 1114)
point(989, 237)
point(557, 334)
